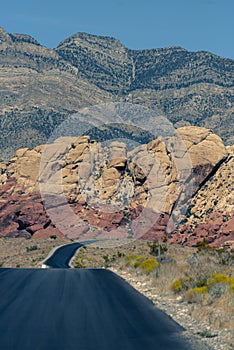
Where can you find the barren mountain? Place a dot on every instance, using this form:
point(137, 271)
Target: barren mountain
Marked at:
point(40, 86)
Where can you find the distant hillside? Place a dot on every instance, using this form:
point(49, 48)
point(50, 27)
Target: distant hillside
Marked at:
point(40, 86)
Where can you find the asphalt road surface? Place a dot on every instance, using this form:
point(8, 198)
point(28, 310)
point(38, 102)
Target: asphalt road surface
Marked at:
point(62, 256)
point(80, 309)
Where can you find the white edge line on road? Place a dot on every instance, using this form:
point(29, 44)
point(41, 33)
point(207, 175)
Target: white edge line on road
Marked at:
point(42, 263)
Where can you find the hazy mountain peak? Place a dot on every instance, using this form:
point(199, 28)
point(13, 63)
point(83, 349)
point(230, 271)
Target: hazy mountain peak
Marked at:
point(91, 40)
point(4, 36)
point(24, 38)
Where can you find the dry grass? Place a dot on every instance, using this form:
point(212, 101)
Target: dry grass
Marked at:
point(212, 305)
point(20, 252)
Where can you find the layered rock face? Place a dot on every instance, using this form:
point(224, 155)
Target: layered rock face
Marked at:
point(210, 213)
point(40, 87)
point(81, 188)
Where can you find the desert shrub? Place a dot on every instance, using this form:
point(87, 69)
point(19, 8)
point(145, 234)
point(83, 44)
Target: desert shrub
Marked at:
point(206, 334)
point(199, 289)
point(177, 286)
point(136, 264)
point(195, 288)
point(154, 247)
point(128, 263)
point(220, 278)
point(195, 295)
point(203, 245)
point(148, 265)
point(89, 259)
point(53, 237)
point(30, 249)
point(130, 258)
point(201, 282)
point(181, 284)
point(224, 255)
point(138, 261)
point(113, 258)
point(79, 265)
point(217, 290)
point(134, 260)
point(120, 254)
point(200, 268)
point(106, 259)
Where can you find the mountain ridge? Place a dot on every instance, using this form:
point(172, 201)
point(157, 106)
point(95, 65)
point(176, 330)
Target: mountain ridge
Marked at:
point(41, 86)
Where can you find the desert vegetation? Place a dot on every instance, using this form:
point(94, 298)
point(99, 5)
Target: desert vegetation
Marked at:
point(26, 253)
point(199, 279)
point(188, 283)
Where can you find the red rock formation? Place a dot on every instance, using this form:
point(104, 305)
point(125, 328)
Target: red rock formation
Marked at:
point(115, 194)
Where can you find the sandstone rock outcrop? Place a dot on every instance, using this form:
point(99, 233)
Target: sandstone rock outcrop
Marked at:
point(143, 192)
point(211, 210)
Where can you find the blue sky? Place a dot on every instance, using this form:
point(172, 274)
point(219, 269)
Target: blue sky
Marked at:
point(139, 24)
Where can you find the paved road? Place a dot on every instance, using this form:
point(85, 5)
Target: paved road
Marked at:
point(79, 309)
point(62, 256)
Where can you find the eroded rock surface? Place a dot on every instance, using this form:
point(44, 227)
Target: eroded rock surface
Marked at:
point(80, 188)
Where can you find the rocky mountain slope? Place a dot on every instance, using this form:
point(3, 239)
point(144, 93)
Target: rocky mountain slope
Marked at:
point(87, 189)
point(40, 86)
point(212, 207)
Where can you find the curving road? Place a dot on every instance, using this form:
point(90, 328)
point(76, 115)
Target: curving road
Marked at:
point(62, 256)
point(79, 309)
